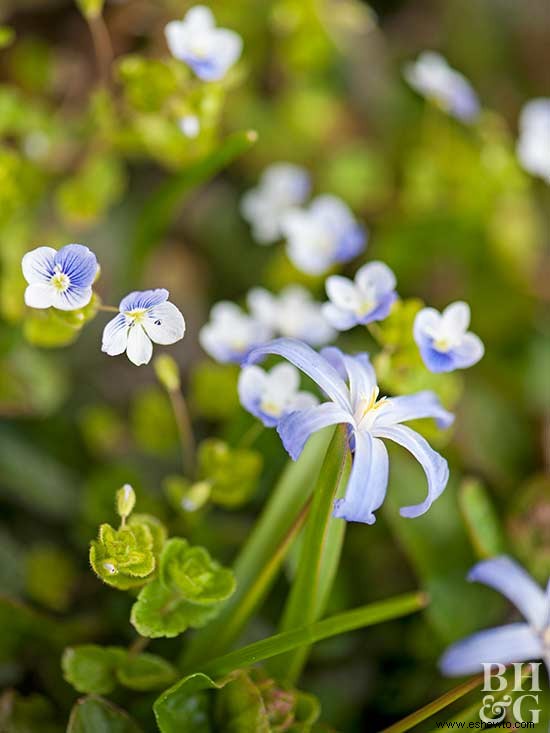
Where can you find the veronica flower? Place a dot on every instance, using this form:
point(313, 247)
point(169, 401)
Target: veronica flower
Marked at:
point(431, 76)
point(231, 333)
point(145, 317)
point(281, 187)
point(62, 280)
point(292, 312)
point(208, 50)
point(321, 235)
point(368, 298)
point(443, 339)
point(272, 395)
point(516, 642)
point(350, 384)
point(533, 146)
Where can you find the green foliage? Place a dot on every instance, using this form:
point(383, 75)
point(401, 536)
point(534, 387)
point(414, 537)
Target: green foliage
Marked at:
point(32, 714)
point(153, 425)
point(481, 521)
point(231, 473)
point(214, 390)
point(123, 558)
point(7, 36)
point(98, 670)
point(50, 576)
point(188, 591)
point(186, 496)
point(167, 371)
point(95, 715)
point(52, 328)
point(90, 8)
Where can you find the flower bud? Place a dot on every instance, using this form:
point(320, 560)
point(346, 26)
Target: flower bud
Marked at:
point(167, 372)
point(125, 501)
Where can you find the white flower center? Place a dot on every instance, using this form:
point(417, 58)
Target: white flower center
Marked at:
point(270, 407)
point(59, 280)
point(365, 412)
point(137, 315)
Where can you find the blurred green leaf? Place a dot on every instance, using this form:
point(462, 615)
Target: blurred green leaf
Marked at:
point(52, 328)
point(214, 390)
point(482, 523)
point(31, 714)
point(145, 672)
point(7, 36)
point(232, 473)
point(50, 576)
point(153, 424)
point(92, 669)
point(240, 708)
point(187, 592)
point(95, 715)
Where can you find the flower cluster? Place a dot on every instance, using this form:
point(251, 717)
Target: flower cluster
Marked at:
point(318, 236)
point(63, 280)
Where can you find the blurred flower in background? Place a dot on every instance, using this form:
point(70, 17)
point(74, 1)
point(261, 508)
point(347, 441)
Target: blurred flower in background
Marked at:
point(533, 145)
point(231, 334)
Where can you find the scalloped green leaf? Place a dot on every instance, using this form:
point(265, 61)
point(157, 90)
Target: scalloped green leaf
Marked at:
point(146, 672)
point(123, 558)
point(92, 669)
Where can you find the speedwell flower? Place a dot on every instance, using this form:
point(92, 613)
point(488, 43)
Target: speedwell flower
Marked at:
point(272, 395)
point(231, 334)
point(368, 299)
point(350, 383)
point(533, 146)
point(443, 339)
point(293, 313)
point(517, 642)
point(145, 317)
point(281, 187)
point(61, 279)
point(208, 50)
point(431, 76)
point(321, 235)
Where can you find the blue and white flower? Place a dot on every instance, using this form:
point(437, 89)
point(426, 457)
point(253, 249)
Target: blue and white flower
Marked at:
point(190, 126)
point(533, 147)
point(196, 41)
point(322, 235)
point(272, 395)
point(145, 317)
point(434, 79)
point(368, 298)
point(282, 186)
point(444, 340)
point(231, 333)
point(293, 313)
point(60, 279)
point(350, 384)
point(516, 642)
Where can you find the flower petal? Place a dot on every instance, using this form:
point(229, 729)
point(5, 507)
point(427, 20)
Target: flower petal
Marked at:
point(37, 266)
point(140, 347)
point(367, 483)
point(502, 645)
point(164, 324)
point(39, 295)
point(435, 466)
point(375, 275)
point(364, 378)
point(72, 299)
point(509, 578)
point(341, 319)
point(456, 317)
point(469, 352)
point(342, 292)
point(143, 299)
point(296, 427)
point(426, 322)
point(284, 378)
point(115, 336)
point(79, 263)
point(413, 407)
point(310, 362)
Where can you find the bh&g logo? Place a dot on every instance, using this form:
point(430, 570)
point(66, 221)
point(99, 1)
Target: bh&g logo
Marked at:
point(524, 707)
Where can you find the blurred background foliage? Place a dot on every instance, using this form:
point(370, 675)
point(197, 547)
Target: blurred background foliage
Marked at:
point(90, 151)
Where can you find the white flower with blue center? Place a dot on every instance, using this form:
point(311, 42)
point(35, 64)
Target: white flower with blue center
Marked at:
point(434, 79)
point(145, 317)
point(516, 642)
point(368, 298)
point(444, 340)
point(533, 147)
point(196, 41)
point(231, 333)
point(322, 235)
point(293, 313)
point(271, 395)
point(60, 279)
point(350, 384)
point(282, 186)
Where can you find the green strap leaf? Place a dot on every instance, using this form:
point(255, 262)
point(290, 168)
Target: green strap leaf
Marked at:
point(160, 208)
point(374, 613)
point(319, 557)
point(481, 520)
point(261, 558)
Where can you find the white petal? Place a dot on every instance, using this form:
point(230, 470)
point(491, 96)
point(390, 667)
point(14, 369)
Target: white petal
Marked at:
point(456, 317)
point(263, 306)
point(469, 352)
point(140, 348)
point(252, 381)
point(38, 265)
point(342, 292)
point(375, 276)
point(39, 295)
point(72, 299)
point(340, 319)
point(227, 47)
point(302, 401)
point(284, 378)
point(164, 324)
point(115, 336)
point(426, 322)
point(199, 17)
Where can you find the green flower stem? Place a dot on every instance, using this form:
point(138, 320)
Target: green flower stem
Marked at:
point(102, 46)
point(434, 707)
point(185, 430)
point(341, 623)
point(251, 435)
point(107, 308)
point(260, 559)
point(320, 555)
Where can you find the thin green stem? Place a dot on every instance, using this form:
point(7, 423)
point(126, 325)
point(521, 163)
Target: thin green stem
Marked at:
point(341, 623)
point(108, 308)
point(102, 46)
point(138, 645)
point(185, 430)
point(251, 435)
